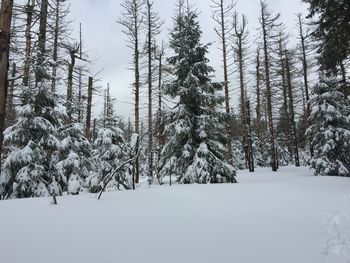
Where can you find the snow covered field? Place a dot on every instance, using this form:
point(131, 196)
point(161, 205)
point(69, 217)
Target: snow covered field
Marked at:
point(286, 217)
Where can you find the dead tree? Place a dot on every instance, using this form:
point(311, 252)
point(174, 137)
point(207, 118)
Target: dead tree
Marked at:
point(291, 109)
point(73, 51)
point(40, 67)
point(240, 50)
point(5, 29)
point(10, 112)
point(132, 21)
point(29, 10)
point(259, 128)
point(304, 46)
point(153, 25)
point(221, 15)
point(268, 25)
point(249, 137)
point(88, 112)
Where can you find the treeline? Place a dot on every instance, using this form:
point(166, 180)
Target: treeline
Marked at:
point(293, 106)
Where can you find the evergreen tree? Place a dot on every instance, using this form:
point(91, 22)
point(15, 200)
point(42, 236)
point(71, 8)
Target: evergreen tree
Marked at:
point(330, 130)
point(28, 169)
point(74, 158)
point(196, 151)
point(110, 151)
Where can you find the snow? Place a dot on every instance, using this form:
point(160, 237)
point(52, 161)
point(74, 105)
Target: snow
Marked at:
point(289, 216)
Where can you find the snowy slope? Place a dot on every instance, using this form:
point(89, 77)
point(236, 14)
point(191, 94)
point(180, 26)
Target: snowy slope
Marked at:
point(288, 217)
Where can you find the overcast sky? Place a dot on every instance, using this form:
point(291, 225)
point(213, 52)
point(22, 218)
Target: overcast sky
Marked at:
point(104, 39)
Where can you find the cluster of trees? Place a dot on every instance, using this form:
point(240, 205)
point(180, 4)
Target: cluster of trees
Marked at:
point(49, 144)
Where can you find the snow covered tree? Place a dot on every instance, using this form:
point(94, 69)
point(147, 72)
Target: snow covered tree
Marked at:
point(74, 158)
point(330, 130)
point(28, 170)
point(196, 151)
point(110, 151)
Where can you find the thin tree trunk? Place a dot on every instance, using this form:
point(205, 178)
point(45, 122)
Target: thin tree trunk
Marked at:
point(258, 103)
point(269, 96)
point(149, 82)
point(40, 73)
point(55, 48)
point(28, 41)
point(70, 88)
point(137, 93)
point(291, 112)
point(10, 106)
point(80, 84)
point(249, 138)
point(88, 111)
point(5, 29)
point(305, 77)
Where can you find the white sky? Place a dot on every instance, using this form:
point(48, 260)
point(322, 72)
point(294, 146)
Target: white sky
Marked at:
point(104, 39)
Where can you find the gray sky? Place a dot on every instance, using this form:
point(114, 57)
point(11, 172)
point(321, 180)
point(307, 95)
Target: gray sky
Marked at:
point(104, 39)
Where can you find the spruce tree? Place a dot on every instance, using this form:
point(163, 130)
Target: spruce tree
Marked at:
point(28, 169)
point(196, 151)
point(330, 130)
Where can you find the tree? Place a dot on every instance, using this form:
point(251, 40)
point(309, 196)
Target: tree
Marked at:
point(332, 30)
point(240, 50)
point(195, 152)
point(221, 15)
point(330, 129)
point(5, 28)
point(132, 21)
point(153, 25)
point(28, 169)
point(269, 25)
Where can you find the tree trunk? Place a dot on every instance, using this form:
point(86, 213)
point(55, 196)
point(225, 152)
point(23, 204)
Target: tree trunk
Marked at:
point(5, 29)
point(88, 111)
point(258, 103)
point(40, 71)
point(291, 112)
point(269, 96)
point(149, 82)
point(249, 138)
point(69, 106)
point(305, 76)
point(55, 48)
point(28, 41)
point(10, 112)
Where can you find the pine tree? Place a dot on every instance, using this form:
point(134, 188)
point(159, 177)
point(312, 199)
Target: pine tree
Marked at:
point(28, 169)
point(330, 130)
point(196, 151)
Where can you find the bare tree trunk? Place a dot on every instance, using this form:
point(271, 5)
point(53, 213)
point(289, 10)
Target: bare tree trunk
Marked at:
point(5, 29)
point(55, 48)
point(305, 75)
point(269, 95)
point(249, 138)
point(28, 47)
point(10, 113)
point(291, 112)
point(149, 82)
point(40, 72)
point(80, 84)
point(88, 111)
point(258, 103)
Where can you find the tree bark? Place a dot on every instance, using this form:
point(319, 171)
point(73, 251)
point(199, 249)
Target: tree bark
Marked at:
point(28, 45)
point(55, 48)
point(5, 29)
point(268, 94)
point(88, 110)
point(40, 71)
point(291, 112)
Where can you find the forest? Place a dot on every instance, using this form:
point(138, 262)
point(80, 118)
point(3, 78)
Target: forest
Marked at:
point(293, 107)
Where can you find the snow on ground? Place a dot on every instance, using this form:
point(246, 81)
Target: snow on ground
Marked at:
point(285, 217)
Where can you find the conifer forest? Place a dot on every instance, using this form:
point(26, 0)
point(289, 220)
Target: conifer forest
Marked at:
point(270, 110)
